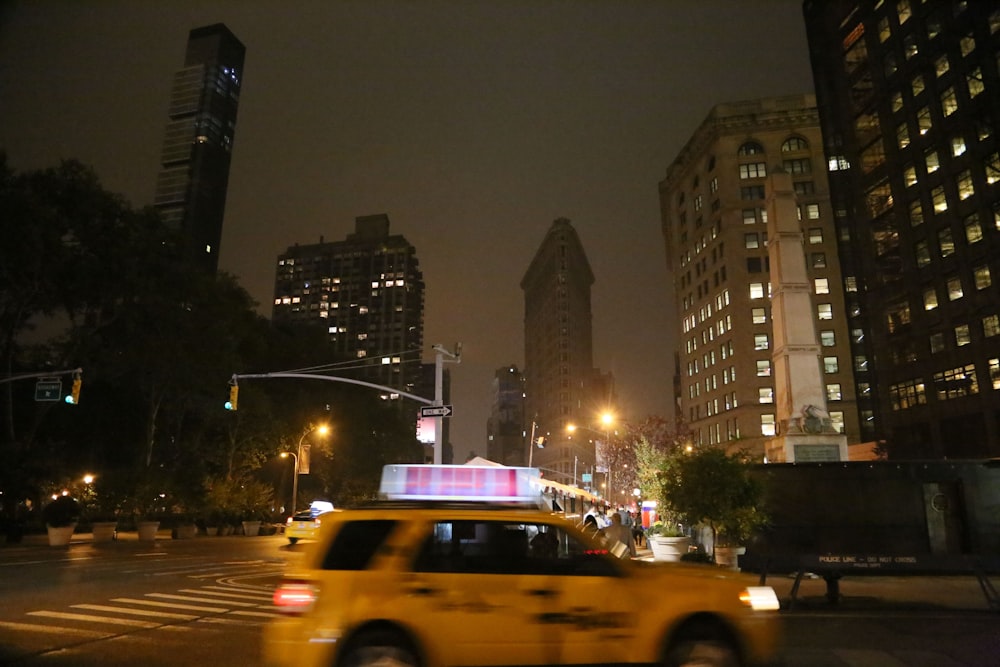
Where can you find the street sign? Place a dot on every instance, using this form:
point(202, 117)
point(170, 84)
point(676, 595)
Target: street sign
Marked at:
point(436, 411)
point(48, 389)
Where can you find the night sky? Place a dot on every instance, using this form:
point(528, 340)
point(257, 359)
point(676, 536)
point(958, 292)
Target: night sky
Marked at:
point(473, 125)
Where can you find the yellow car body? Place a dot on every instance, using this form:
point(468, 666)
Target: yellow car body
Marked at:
point(433, 584)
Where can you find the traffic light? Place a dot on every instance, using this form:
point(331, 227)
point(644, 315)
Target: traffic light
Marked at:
point(234, 392)
point(73, 398)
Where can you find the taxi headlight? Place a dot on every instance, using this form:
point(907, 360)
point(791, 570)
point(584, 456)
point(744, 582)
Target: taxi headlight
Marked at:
point(760, 598)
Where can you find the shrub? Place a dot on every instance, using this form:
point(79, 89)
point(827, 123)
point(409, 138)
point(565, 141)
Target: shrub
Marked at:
point(63, 511)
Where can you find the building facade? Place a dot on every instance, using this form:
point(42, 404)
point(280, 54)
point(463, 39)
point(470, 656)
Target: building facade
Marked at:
point(198, 142)
point(714, 221)
point(506, 435)
point(562, 386)
point(367, 292)
point(909, 102)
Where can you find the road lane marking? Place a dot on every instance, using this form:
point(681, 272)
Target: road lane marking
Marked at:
point(228, 621)
point(135, 612)
point(240, 612)
point(168, 605)
point(185, 598)
point(51, 629)
point(65, 616)
point(216, 590)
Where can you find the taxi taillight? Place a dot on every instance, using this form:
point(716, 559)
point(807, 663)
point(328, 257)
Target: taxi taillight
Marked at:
point(294, 597)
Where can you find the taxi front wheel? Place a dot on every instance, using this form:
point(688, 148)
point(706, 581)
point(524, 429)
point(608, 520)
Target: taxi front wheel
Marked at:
point(380, 648)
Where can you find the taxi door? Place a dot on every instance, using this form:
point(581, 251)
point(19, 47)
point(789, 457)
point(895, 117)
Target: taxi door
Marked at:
point(471, 598)
point(590, 616)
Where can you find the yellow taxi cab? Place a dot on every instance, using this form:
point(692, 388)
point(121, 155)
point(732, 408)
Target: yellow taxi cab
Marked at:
point(423, 580)
point(305, 525)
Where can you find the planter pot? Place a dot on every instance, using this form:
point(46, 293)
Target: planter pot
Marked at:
point(728, 557)
point(186, 531)
point(251, 528)
point(147, 530)
point(211, 531)
point(668, 549)
point(59, 536)
point(105, 531)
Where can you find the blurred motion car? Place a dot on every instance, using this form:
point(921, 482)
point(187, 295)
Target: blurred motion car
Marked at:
point(460, 567)
point(305, 525)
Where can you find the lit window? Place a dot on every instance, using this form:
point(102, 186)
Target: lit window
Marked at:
point(962, 337)
point(973, 230)
point(897, 315)
point(924, 124)
point(964, 184)
point(967, 44)
point(765, 394)
point(941, 65)
point(981, 276)
point(954, 289)
point(850, 284)
point(758, 315)
point(797, 167)
point(909, 175)
point(753, 170)
point(793, 144)
point(827, 338)
point(818, 260)
point(830, 365)
point(946, 243)
point(750, 148)
point(751, 241)
point(833, 392)
point(992, 165)
point(916, 213)
point(903, 11)
point(756, 290)
point(917, 85)
point(749, 216)
point(949, 103)
point(883, 29)
point(931, 162)
point(939, 201)
point(937, 342)
point(958, 146)
point(974, 81)
point(764, 367)
point(930, 299)
point(767, 425)
point(897, 101)
point(922, 253)
point(902, 136)
point(812, 211)
point(760, 342)
point(815, 235)
point(362, 353)
point(991, 326)
point(824, 311)
point(822, 285)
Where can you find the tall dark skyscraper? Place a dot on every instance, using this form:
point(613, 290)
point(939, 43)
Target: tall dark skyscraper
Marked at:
point(908, 95)
point(198, 141)
point(562, 386)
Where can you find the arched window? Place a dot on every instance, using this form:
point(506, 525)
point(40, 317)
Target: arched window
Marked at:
point(750, 148)
point(711, 163)
point(794, 144)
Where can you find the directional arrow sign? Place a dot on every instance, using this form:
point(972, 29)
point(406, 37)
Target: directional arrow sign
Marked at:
point(436, 411)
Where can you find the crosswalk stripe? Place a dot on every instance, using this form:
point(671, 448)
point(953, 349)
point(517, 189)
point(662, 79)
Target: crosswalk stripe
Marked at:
point(135, 612)
point(65, 616)
point(215, 590)
point(227, 621)
point(31, 627)
point(263, 614)
point(171, 605)
point(185, 598)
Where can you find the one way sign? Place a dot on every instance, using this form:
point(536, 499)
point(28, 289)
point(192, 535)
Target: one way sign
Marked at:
point(436, 411)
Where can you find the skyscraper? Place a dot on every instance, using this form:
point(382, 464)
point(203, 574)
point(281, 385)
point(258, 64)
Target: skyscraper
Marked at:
point(367, 292)
point(712, 204)
point(198, 141)
point(506, 440)
point(561, 384)
point(909, 103)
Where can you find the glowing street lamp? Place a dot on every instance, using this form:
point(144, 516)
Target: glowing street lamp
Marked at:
point(322, 429)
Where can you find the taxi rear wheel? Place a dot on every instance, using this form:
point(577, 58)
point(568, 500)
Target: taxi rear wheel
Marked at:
point(293, 540)
point(702, 650)
point(380, 648)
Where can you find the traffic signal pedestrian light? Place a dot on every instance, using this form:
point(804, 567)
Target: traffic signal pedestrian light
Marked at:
point(234, 392)
point(73, 398)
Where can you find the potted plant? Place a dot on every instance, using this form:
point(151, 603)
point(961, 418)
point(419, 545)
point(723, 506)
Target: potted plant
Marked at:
point(667, 541)
point(716, 489)
point(101, 510)
point(61, 517)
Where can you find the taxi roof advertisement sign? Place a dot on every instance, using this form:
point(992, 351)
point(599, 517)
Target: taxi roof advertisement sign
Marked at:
point(460, 482)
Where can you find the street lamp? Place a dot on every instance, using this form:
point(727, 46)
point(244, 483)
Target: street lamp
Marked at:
point(322, 429)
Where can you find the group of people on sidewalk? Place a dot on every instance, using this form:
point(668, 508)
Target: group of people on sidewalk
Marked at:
point(617, 526)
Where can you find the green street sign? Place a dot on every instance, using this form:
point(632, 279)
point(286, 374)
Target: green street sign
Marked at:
point(48, 389)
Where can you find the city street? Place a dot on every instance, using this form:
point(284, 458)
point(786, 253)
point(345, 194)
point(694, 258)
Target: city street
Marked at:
point(174, 603)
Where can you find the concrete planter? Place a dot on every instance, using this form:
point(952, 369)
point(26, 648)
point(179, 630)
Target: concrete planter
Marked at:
point(185, 531)
point(211, 531)
point(147, 530)
point(729, 557)
point(104, 531)
point(668, 549)
point(60, 536)
point(251, 528)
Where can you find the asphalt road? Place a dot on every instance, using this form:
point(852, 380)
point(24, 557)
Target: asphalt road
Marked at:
point(175, 603)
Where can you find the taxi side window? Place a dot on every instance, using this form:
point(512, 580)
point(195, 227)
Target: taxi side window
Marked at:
point(496, 547)
point(355, 544)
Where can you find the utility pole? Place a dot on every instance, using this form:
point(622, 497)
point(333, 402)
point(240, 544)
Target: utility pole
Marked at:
point(439, 360)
